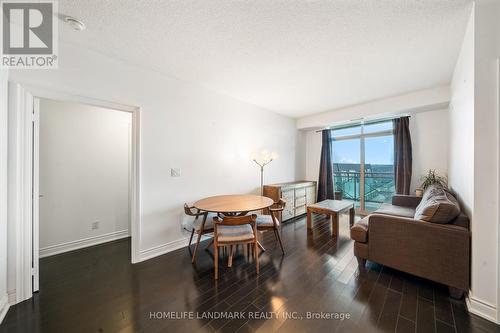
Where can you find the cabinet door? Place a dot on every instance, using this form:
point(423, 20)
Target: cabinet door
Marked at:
point(289, 196)
point(287, 213)
point(311, 195)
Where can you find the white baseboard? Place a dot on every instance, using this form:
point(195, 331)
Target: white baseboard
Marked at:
point(81, 243)
point(4, 306)
point(481, 308)
point(165, 248)
point(12, 297)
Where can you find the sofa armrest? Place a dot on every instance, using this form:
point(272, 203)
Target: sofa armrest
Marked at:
point(359, 231)
point(438, 252)
point(406, 200)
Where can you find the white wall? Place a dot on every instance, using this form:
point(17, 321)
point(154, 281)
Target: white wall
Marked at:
point(485, 219)
point(474, 153)
point(84, 174)
point(461, 124)
point(429, 137)
point(313, 154)
point(485, 239)
point(423, 100)
point(183, 125)
point(429, 134)
point(300, 155)
point(3, 194)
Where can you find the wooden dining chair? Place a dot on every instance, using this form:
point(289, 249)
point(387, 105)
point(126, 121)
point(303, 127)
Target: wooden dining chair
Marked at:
point(202, 224)
point(271, 222)
point(234, 230)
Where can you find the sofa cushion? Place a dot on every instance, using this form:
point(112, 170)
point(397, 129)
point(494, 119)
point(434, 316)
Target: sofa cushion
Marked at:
point(388, 209)
point(411, 201)
point(438, 206)
point(461, 220)
point(359, 231)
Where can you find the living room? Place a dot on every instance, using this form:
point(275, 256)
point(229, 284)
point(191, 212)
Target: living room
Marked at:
point(232, 107)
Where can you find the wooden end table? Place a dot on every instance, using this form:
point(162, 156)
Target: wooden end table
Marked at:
point(332, 208)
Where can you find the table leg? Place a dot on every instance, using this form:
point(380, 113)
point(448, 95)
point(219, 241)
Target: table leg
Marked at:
point(335, 223)
point(309, 218)
point(351, 216)
point(230, 259)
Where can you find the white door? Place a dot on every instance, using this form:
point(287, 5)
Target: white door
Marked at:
point(36, 193)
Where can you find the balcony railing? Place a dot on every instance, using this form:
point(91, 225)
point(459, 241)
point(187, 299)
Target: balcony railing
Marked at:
point(379, 186)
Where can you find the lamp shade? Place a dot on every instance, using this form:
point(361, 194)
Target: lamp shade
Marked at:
point(264, 156)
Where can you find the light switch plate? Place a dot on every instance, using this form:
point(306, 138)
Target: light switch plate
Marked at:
point(175, 172)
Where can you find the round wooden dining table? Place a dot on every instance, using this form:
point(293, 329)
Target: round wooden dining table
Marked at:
point(236, 204)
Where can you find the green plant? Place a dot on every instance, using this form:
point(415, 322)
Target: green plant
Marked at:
point(432, 178)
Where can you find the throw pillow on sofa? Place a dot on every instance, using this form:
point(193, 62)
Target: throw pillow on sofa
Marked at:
point(438, 206)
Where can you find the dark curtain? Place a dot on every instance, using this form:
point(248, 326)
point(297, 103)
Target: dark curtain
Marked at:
point(402, 155)
point(325, 182)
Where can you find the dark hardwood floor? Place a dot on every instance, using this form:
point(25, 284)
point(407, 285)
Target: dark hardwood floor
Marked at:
point(98, 290)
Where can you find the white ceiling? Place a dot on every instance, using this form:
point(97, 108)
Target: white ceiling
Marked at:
point(292, 57)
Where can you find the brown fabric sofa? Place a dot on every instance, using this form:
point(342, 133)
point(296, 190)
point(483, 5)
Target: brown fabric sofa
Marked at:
point(435, 251)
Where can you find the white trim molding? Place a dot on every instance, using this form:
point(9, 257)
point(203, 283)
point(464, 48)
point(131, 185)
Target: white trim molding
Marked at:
point(81, 243)
point(483, 309)
point(4, 306)
point(498, 189)
point(19, 186)
point(159, 250)
point(11, 297)
point(3, 191)
point(156, 251)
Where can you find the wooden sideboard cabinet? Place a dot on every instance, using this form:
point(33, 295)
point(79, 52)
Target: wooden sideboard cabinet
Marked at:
point(297, 194)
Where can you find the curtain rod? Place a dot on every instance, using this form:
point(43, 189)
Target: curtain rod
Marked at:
point(367, 120)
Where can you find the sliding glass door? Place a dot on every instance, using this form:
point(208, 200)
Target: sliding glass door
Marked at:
point(363, 164)
point(346, 169)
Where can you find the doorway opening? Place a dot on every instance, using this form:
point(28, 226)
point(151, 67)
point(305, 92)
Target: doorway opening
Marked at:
point(24, 206)
point(81, 172)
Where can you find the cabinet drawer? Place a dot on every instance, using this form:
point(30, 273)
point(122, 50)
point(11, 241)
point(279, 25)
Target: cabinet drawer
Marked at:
point(300, 192)
point(300, 201)
point(300, 210)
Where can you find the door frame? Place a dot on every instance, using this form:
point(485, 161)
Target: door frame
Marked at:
point(22, 203)
point(498, 183)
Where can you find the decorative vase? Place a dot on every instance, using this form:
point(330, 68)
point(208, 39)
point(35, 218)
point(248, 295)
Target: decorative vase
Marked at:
point(419, 192)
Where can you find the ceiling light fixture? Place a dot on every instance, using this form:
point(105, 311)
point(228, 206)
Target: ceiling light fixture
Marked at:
point(74, 23)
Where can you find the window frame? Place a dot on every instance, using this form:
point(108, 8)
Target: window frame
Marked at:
point(361, 136)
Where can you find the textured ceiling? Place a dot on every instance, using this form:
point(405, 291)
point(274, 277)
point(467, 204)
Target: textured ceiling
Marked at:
point(292, 57)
